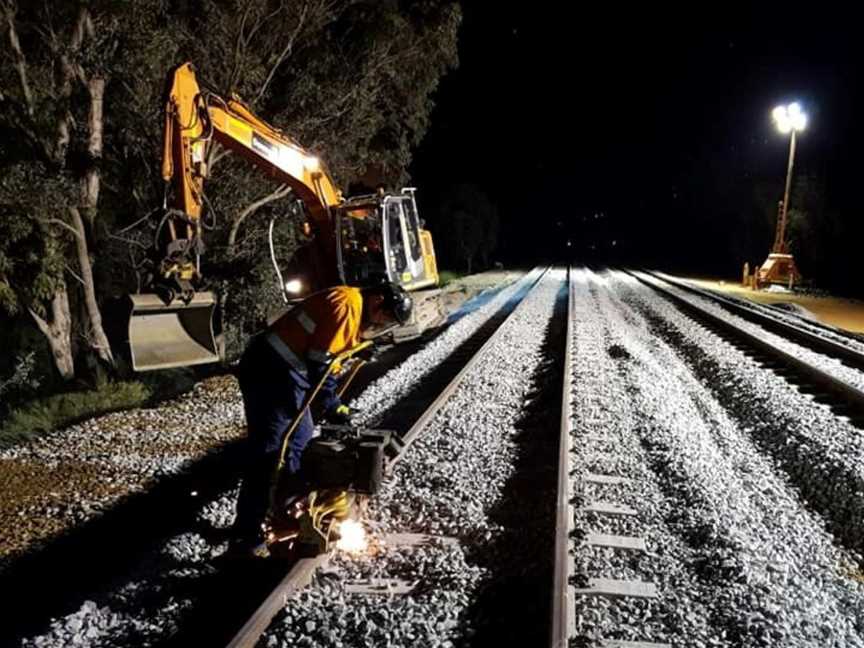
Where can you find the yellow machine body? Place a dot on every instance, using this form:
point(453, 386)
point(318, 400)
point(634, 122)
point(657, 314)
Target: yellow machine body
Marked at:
point(167, 327)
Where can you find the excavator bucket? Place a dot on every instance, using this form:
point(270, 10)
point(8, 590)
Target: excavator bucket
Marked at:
point(178, 335)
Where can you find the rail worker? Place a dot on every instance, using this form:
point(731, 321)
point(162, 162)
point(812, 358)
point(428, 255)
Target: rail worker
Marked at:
point(278, 368)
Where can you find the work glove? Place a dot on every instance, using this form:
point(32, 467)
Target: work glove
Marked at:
point(340, 415)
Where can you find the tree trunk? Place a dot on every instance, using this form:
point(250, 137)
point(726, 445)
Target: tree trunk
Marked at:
point(96, 337)
point(58, 330)
point(90, 186)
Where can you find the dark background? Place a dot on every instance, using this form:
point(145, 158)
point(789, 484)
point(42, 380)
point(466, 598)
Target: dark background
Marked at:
point(646, 136)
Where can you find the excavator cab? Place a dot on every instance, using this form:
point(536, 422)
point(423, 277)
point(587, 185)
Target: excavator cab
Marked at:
point(382, 237)
point(411, 260)
point(181, 334)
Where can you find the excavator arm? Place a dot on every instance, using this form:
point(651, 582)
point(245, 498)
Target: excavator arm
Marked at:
point(356, 241)
point(172, 325)
point(194, 119)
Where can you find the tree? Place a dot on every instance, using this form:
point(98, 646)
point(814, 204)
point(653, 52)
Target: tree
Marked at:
point(52, 101)
point(82, 108)
point(467, 225)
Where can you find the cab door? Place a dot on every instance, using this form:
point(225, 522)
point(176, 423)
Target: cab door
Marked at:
point(403, 244)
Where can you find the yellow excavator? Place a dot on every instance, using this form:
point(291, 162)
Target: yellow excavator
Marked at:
point(354, 241)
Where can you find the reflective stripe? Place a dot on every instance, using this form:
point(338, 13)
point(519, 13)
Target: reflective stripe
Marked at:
point(318, 356)
point(285, 351)
point(306, 322)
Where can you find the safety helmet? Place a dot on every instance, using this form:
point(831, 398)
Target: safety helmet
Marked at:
point(396, 300)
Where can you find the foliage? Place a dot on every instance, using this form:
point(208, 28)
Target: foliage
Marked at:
point(352, 80)
point(21, 384)
point(31, 252)
point(53, 412)
point(466, 228)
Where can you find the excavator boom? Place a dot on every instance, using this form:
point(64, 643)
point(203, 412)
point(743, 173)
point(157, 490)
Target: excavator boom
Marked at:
point(171, 325)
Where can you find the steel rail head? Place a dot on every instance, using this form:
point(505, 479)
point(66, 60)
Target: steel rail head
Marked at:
point(562, 596)
point(846, 392)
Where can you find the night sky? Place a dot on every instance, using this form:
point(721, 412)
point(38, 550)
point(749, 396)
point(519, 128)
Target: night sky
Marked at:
point(657, 120)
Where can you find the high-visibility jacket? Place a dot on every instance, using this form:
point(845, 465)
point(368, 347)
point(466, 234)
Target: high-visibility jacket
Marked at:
point(321, 326)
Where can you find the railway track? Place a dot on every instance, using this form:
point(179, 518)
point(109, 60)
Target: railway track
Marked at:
point(846, 347)
point(166, 584)
point(846, 397)
point(687, 501)
point(445, 380)
point(683, 507)
point(579, 492)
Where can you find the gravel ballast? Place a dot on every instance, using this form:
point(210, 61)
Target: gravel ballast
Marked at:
point(737, 557)
point(133, 450)
point(450, 485)
point(748, 493)
point(832, 366)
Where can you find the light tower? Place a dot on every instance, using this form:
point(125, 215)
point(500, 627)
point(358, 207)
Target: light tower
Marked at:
point(780, 267)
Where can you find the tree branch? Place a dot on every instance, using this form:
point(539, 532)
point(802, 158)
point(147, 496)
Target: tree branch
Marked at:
point(69, 72)
point(239, 47)
point(62, 223)
point(286, 51)
point(218, 153)
point(90, 184)
point(20, 59)
point(40, 322)
point(280, 192)
point(97, 338)
point(72, 272)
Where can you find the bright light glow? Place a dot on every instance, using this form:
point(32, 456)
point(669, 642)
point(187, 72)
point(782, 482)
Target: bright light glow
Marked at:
point(293, 286)
point(352, 537)
point(799, 121)
point(311, 163)
point(789, 118)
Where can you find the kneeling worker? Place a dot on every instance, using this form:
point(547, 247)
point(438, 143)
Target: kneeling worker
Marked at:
point(281, 364)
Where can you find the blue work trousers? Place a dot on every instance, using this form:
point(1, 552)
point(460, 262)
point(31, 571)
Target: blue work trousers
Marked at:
point(273, 393)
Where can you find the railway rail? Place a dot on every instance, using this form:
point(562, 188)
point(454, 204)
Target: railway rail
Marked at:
point(672, 520)
point(578, 487)
point(571, 487)
point(845, 397)
point(458, 366)
point(813, 334)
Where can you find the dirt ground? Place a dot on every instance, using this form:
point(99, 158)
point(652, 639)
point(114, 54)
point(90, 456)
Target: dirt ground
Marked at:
point(847, 314)
point(458, 291)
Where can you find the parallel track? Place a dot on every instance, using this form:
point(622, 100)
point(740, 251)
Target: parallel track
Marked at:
point(842, 395)
point(466, 357)
point(804, 334)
